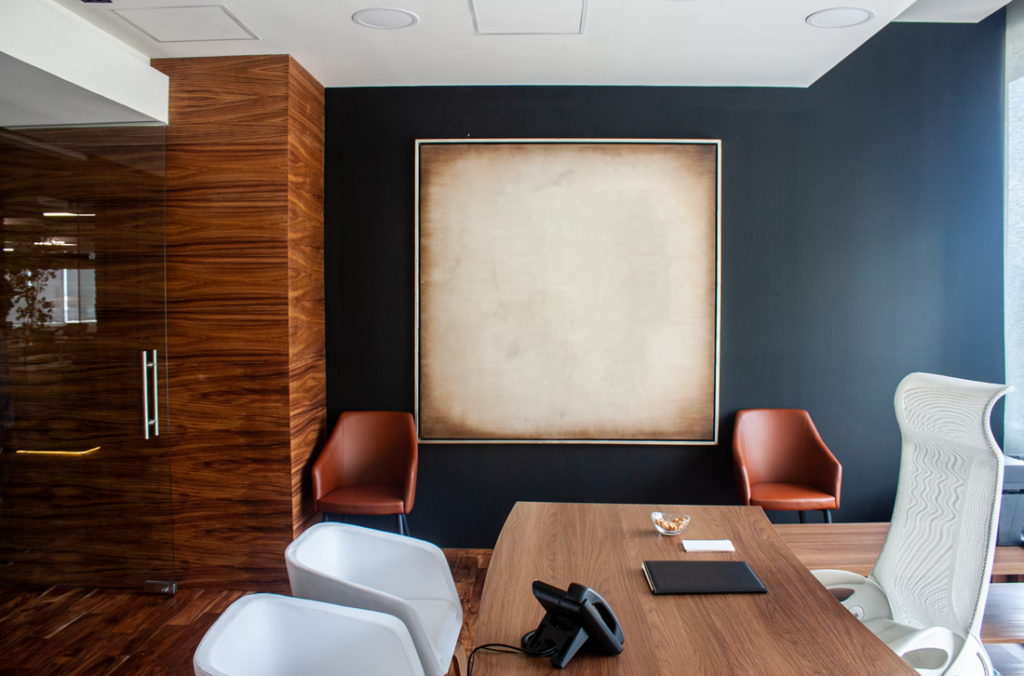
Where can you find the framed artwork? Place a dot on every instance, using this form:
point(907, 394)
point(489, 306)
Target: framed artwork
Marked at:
point(567, 291)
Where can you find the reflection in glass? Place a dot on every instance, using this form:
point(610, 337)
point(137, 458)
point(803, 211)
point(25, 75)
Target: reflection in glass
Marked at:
point(58, 297)
point(84, 498)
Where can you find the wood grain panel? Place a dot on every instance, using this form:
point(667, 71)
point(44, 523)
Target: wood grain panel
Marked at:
point(99, 632)
point(238, 174)
point(306, 340)
point(796, 628)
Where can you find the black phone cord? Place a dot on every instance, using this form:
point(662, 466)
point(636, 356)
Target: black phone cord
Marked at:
point(504, 648)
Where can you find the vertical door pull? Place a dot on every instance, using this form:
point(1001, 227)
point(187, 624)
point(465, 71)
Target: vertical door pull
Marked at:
point(147, 422)
point(145, 396)
point(156, 397)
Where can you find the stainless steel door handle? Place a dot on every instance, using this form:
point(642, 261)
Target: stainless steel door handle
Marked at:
point(148, 422)
point(156, 397)
point(145, 396)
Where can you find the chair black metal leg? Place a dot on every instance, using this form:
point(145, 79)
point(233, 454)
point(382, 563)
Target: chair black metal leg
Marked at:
point(803, 517)
point(828, 515)
point(403, 524)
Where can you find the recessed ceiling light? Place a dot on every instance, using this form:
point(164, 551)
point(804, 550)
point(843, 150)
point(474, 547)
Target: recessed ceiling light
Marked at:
point(385, 18)
point(63, 214)
point(840, 17)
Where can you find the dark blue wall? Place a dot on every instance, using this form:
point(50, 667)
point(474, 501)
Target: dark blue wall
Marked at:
point(861, 241)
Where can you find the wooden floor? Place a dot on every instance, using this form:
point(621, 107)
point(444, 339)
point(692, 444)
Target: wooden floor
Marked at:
point(98, 632)
point(69, 631)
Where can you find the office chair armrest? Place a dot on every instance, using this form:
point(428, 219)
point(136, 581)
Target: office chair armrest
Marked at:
point(928, 650)
point(972, 659)
point(826, 470)
point(742, 477)
point(858, 594)
point(409, 496)
point(326, 472)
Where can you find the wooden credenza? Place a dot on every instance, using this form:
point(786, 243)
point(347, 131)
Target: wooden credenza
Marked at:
point(855, 547)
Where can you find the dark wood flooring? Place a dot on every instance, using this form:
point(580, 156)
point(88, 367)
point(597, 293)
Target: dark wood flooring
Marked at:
point(100, 632)
point(69, 631)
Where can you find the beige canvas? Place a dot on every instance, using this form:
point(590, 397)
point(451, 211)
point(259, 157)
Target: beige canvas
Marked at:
point(567, 291)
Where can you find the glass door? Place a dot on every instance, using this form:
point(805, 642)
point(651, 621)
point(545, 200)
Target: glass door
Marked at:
point(85, 466)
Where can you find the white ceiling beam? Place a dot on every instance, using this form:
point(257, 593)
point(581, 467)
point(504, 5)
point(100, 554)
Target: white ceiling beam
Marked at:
point(46, 36)
point(951, 11)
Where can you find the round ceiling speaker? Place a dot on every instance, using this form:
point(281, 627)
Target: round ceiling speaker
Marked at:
point(840, 17)
point(385, 18)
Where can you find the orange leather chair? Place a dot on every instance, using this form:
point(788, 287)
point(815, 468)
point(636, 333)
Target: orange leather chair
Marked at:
point(368, 466)
point(781, 462)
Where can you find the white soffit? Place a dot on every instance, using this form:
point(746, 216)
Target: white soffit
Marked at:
point(529, 17)
point(198, 23)
point(952, 11)
point(75, 73)
point(32, 97)
point(634, 42)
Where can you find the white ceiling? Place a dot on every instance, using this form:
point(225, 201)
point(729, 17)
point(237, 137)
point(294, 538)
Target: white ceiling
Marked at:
point(625, 42)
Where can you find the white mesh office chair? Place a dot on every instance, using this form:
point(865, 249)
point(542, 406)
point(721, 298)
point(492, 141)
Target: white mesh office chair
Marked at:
point(271, 635)
point(387, 573)
point(926, 595)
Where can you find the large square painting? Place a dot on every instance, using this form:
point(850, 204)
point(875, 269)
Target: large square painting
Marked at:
point(567, 291)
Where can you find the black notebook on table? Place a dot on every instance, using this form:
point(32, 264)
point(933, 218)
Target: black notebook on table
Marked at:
point(702, 577)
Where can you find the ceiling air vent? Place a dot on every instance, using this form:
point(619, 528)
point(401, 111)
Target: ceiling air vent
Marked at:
point(530, 17)
point(198, 23)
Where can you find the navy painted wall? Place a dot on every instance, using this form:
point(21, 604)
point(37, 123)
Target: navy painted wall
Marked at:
point(861, 240)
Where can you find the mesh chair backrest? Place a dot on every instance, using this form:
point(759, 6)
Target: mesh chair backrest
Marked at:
point(937, 559)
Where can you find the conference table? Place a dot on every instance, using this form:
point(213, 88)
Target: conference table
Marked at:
point(796, 628)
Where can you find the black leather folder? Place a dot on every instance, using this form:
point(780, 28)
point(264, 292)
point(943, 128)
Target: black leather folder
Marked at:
point(702, 577)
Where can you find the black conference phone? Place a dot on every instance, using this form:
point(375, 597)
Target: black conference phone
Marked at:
point(575, 616)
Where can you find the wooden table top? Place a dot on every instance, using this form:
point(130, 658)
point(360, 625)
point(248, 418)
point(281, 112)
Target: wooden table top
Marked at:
point(855, 547)
point(796, 628)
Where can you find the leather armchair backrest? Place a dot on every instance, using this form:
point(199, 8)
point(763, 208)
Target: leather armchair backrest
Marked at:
point(369, 447)
point(775, 445)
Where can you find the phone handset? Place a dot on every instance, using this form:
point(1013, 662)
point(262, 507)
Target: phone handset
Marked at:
point(573, 618)
point(611, 639)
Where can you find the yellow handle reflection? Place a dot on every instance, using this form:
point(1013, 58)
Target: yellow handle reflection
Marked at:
point(91, 450)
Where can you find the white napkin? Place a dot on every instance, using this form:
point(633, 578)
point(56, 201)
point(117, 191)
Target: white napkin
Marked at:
point(708, 546)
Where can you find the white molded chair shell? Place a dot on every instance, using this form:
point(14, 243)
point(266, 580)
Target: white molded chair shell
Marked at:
point(861, 596)
point(925, 596)
point(383, 572)
point(271, 635)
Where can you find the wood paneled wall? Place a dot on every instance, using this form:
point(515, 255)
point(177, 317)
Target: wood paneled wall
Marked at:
point(245, 312)
point(306, 339)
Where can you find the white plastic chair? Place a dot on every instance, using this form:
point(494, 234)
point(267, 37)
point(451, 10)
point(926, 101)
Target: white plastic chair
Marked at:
point(925, 596)
point(271, 635)
point(387, 573)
